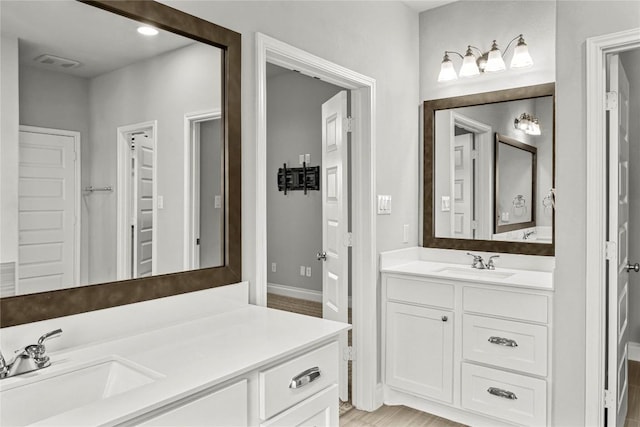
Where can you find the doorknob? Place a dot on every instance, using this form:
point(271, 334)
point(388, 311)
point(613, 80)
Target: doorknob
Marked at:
point(635, 267)
point(322, 256)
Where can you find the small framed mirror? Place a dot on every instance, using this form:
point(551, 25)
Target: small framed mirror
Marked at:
point(476, 148)
point(515, 186)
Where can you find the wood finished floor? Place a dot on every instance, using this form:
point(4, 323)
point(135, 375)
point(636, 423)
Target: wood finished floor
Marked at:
point(633, 412)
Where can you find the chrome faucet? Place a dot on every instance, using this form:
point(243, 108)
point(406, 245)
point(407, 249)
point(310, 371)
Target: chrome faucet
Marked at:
point(527, 234)
point(30, 358)
point(480, 264)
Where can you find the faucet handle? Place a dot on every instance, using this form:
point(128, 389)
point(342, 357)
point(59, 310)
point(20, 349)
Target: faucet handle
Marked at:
point(490, 264)
point(48, 335)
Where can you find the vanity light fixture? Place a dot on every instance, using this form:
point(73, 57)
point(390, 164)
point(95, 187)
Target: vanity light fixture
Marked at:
point(146, 30)
point(527, 123)
point(491, 61)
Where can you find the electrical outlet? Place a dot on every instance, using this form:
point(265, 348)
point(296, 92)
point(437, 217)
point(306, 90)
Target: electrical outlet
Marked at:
point(405, 233)
point(160, 202)
point(308, 271)
point(217, 202)
point(307, 158)
point(273, 267)
point(302, 270)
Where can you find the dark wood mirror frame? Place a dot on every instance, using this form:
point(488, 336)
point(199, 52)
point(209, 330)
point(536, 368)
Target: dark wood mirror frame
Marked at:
point(502, 139)
point(429, 239)
point(46, 305)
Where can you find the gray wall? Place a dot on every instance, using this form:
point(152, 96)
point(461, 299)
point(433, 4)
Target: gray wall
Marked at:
point(211, 218)
point(377, 39)
point(575, 25)
point(631, 63)
point(190, 78)
point(294, 221)
point(56, 100)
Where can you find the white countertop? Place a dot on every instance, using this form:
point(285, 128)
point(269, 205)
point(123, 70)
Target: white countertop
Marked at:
point(191, 356)
point(533, 279)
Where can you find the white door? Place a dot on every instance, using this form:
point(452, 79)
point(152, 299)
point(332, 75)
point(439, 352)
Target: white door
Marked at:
point(618, 277)
point(335, 219)
point(143, 204)
point(462, 213)
point(48, 192)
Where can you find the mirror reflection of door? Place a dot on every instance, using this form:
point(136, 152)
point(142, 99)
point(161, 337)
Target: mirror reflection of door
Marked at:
point(210, 236)
point(463, 185)
point(204, 195)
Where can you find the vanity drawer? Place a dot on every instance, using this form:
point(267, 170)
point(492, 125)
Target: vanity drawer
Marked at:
point(505, 343)
point(511, 397)
point(516, 305)
point(420, 292)
point(276, 393)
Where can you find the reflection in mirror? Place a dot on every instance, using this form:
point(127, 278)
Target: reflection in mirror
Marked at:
point(515, 186)
point(121, 153)
point(481, 194)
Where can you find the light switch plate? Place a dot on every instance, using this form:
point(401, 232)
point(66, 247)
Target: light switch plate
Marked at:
point(384, 204)
point(445, 205)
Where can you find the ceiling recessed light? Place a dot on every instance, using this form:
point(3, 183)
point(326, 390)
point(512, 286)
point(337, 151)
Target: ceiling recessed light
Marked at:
point(147, 31)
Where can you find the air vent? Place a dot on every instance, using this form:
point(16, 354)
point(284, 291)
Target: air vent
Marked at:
point(56, 61)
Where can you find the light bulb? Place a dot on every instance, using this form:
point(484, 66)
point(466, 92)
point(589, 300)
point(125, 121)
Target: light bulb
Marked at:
point(521, 57)
point(495, 61)
point(469, 66)
point(447, 72)
point(147, 31)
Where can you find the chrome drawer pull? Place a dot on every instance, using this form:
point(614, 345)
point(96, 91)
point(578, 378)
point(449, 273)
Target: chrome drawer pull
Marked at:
point(503, 341)
point(305, 377)
point(502, 393)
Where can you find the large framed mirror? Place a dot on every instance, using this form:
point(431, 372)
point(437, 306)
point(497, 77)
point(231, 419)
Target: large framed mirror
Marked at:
point(481, 191)
point(124, 171)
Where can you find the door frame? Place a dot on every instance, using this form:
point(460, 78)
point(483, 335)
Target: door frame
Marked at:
point(191, 184)
point(597, 48)
point(123, 169)
point(484, 146)
point(367, 392)
point(77, 197)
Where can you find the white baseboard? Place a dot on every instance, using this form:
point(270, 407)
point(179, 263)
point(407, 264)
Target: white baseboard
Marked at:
point(634, 351)
point(293, 292)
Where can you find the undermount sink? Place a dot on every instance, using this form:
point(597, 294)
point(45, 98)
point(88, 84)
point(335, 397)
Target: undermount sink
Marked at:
point(475, 272)
point(45, 395)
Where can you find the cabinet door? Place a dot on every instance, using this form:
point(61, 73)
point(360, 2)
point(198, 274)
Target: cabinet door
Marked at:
point(320, 410)
point(419, 350)
point(226, 407)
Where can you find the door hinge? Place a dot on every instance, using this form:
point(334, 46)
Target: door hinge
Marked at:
point(612, 101)
point(474, 154)
point(610, 251)
point(198, 241)
point(609, 400)
point(348, 123)
point(348, 354)
point(474, 225)
point(348, 240)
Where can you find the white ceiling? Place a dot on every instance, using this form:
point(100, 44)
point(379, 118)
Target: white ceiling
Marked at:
point(422, 5)
point(100, 41)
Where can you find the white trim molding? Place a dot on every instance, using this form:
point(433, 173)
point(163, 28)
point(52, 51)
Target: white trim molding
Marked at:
point(191, 152)
point(123, 195)
point(364, 260)
point(596, 50)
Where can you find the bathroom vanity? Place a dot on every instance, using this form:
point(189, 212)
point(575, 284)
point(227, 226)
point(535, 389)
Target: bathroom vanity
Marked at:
point(467, 344)
point(225, 363)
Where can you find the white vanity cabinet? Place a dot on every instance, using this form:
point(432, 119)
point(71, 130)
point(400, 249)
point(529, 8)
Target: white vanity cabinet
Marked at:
point(299, 390)
point(419, 338)
point(467, 350)
point(225, 407)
